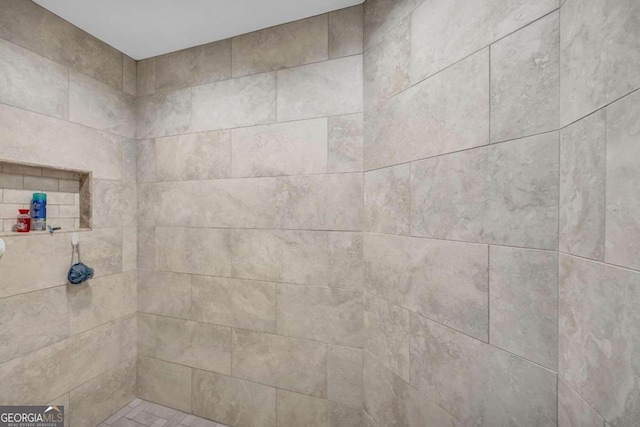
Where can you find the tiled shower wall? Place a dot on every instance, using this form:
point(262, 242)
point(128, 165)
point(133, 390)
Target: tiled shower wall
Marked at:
point(250, 216)
point(74, 346)
point(501, 213)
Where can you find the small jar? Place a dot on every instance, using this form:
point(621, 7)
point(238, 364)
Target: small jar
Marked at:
point(24, 221)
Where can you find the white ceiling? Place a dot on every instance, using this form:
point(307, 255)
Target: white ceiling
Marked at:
point(146, 28)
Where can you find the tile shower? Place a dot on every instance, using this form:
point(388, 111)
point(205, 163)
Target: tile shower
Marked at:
point(404, 213)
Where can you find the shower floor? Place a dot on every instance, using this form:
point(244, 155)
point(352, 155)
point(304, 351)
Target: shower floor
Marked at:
point(140, 413)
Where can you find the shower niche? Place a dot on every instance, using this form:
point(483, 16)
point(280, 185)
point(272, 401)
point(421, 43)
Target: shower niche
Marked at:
point(68, 196)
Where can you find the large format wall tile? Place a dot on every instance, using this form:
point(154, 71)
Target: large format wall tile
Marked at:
point(41, 140)
point(101, 300)
point(114, 203)
point(32, 321)
point(164, 114)
point(35, 28)
point(345, 32)
point(99, 106)
point(600, 55)
point(164, 383)
point(282, 46)
point(504, 194)
point(582, 187)
point(448, 112)
point(320, 314)
point(524, 303)
point(393, 402)
point(321, 202)
point(344, 375)
point(129, 75)
point(305, 257)
point(525, 81)
point(497, 387)
point(233, 401)
point(327, 88)
point(381, 15)
point(190, 67)
point(387, 203)
point(386, 334)
point(164, 293)
point(345, 139)
point(444, 281)
point(32, 82)
point(145, 160)
point(294, 409)
point(282, 362)
point(255, 254)
point(245, 304)
point(146, 77)
point(443, 33)
point(193, 250)
point(196, 344)
point(196, 156)
point(96, 400)
point(599, 352)
point(387, 65)
point(623, 180)
point(346, 269)
point(244, 101)
point(573, 411)
point(291, 148)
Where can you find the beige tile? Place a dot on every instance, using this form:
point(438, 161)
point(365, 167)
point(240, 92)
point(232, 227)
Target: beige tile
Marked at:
point(97, 399)
point(295, 409)
point(320, 314)
point(281, 362)
point(11, 181)
point(129, 75)
point(590, 79)
point(346, 267)
point(146, 77)
point(573, 411)
point(623, 178)
point(305, 257)
point(387, 65)
point(391, 401)
point(244, 101)
point(43, 375)
point(129, 160)
point(32, 27)
point(164, 383)
point(346, 32)
point(147, 253)
point(101, 300)
point(189, 67)
point(38, 183)
point(129, 248)
point(513, 186)
point(327, 88)
point(100, 106)
point(33, 320)
point(444, 281)
point(444, 33)
point(63, 401)
point(450, 110)
point(387, 202)
point(233, 401)
point(344, 376)
point(146, 160)
point(494, 386)
point(246, 304)
point(195, 251)
point(196, 344)
point(598, 356)
point(33, 82)
point(582, 187)
point(37, 139)
point(114, 203)
point(321, 202)
point(164, 293)
point(292, 148)
point(381, 15)
point(147, 334)
point(525, 81)
point(255, 254)
point(194, 156)
point(386, 334)
point(524, 303)
point(345, 139)
point(282, 46)
point(163, 114)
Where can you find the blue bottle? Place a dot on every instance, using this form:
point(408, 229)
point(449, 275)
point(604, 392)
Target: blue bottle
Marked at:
point(39, 212)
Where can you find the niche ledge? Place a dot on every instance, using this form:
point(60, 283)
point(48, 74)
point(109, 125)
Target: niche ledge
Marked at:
point(68, 196)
